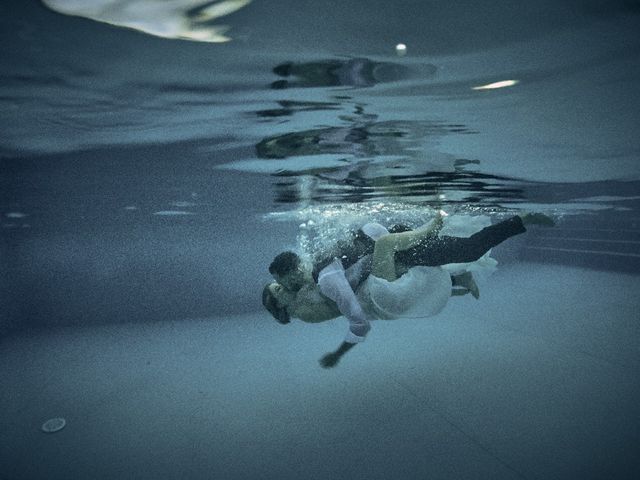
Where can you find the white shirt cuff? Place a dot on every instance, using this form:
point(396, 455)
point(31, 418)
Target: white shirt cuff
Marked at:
point(375, 230)
point(353, 338)
point(331, 269)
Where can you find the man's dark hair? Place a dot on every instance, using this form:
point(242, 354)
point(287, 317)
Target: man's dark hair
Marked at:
point(271, 304)
point(284, 263)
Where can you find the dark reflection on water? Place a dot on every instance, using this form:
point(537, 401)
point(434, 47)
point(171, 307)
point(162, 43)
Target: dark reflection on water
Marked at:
point(462, 187)
point(289, 107)
point(366, 139)
point(353, 72)
point(441, 188)
point(34, 80)
point(362, 158)
point(369, 158)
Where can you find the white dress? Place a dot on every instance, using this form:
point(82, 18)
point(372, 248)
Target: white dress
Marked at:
point(423, 291)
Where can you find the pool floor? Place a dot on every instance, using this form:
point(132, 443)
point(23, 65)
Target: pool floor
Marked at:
point(537, 379)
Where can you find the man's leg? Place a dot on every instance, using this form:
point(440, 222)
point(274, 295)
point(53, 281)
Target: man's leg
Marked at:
point(440, 250)
point(466, 282)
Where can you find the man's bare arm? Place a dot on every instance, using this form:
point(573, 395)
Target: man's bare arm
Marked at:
point(331, 359)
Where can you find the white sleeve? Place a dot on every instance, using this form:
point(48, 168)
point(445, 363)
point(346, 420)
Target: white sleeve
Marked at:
point(334, 285)
point(374, 230)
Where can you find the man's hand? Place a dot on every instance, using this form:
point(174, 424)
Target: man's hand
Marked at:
point(330, 360)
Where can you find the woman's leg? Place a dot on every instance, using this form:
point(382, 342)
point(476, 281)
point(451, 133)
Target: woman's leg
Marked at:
point(385, 248)
point(384, 265)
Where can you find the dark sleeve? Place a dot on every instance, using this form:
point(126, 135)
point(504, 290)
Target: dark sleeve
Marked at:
point(348, 251)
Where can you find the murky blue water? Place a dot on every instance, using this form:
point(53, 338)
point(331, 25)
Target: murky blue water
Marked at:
point(146, 164)
point(145, 178)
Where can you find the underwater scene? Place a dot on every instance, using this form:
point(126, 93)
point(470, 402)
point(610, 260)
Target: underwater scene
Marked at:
point(278, 239)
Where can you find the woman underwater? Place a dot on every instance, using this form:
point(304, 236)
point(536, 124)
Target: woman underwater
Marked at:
point(393, 289)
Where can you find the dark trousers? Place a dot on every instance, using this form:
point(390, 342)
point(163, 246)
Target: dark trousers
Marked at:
point(440, 250)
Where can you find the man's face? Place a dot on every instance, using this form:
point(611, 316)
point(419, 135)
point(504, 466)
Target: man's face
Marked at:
point(292, 281)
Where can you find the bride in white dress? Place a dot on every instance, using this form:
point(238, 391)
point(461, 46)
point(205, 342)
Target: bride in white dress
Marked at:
point(392, 289)
point(392, 292)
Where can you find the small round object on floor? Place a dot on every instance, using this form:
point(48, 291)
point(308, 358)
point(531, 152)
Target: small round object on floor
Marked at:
point(401, 49)
point(53, 425)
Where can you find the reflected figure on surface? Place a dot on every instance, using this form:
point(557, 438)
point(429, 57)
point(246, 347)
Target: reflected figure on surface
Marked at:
point(386, 274)
point(332, 140)
point(367, 144)
point(363, 158)
point(353, 72)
